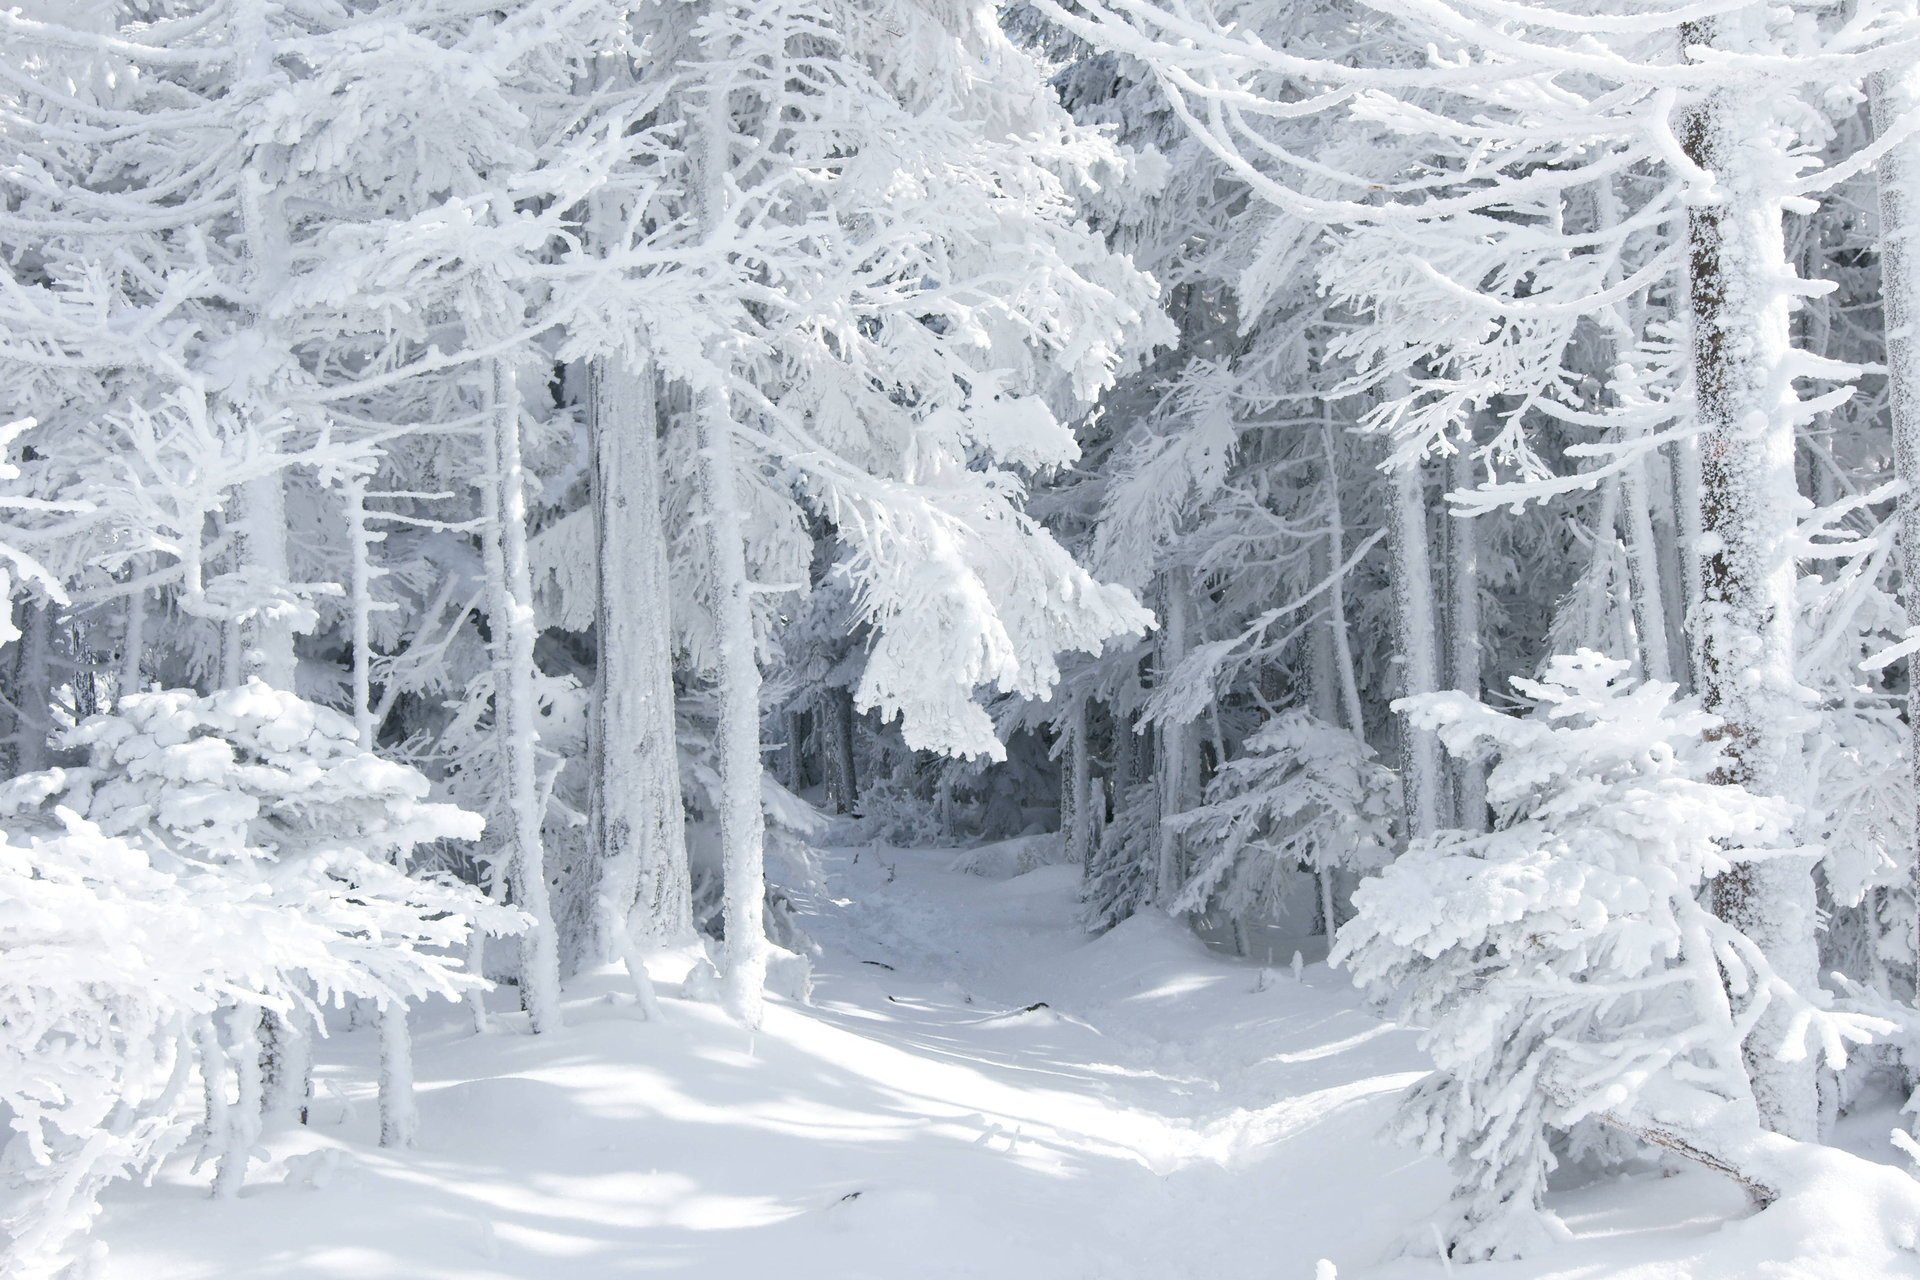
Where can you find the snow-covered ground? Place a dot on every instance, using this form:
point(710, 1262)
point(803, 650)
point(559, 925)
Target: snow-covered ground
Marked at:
point(977, 1090)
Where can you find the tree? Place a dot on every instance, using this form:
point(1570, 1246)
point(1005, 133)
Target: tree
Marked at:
point(1562, 963)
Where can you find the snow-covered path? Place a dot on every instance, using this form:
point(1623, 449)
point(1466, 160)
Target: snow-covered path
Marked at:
point(1167, 1113)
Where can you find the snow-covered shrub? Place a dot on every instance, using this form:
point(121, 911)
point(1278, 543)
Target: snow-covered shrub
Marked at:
point(256, 784)
point(1562, 963)
point(214, 857)
point(1304, 795)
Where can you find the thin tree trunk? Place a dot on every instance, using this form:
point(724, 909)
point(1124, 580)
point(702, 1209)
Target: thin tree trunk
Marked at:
point(1337, 593)
point(286, 1054)
point(399, 1117)
point(1076, 805)
point(1741, 348)
point(1419, 665)
point(133, 642)
point(742, 822)
point(263, 547)
point(1643, 570)
point(360, 574)
point(1176, 746)
point(516, 718)
point(1463, 581)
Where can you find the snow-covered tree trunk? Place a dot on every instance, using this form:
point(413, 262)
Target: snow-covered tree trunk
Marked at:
point(133, 642)
point(1463, 642)
point(1896, 93)
point(644, 894)
point(1643, 570)
point(834, 725)
point(263, 548)
point(286, 1058)
point(1635, 515)
point(241, 1128)
point(399, 1116)
point(516, 718)
point(1355, 716)
point(1176, 745)
point(1690, 523)
point(1419, 650)
point(360, 575)
point(737, 675)
point(1076, 786)
point(286, 1051)
point(1739, 288)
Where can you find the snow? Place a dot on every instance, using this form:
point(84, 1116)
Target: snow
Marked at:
point(978, 1089)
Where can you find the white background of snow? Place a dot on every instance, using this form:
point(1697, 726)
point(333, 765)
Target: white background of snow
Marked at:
point(1173, 1113)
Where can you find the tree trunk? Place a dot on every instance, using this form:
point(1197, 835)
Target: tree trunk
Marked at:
point(516, 718)
point(1643, 570)
point(796, 753)
point(263, 547)
point(1337, 593)
point(33, 689)
point(1463, 581)
point(742, 822)
point(1076, 798)
point(645, 887)
point(1419, 665)
point(1738, 274)
point(1894, 94)
point(1176, 747)
point(240, 1123)
point(836, 748)
point(133, 643)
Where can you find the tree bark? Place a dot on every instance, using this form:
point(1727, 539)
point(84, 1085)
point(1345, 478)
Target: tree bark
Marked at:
point(1738, 269)
point(835, 708)
point(1894, 94)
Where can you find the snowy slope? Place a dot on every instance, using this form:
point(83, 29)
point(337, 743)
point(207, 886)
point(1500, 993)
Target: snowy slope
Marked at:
point(1169, 1113)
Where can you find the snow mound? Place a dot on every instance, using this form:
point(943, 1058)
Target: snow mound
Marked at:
point(1005, 859)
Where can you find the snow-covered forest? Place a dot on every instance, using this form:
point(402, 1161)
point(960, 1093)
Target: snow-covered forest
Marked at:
point(1121, 639)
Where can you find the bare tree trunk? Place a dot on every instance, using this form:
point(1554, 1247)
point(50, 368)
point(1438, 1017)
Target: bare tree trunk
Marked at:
point(834, 710)
point(32, 690)
point(796, 754)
